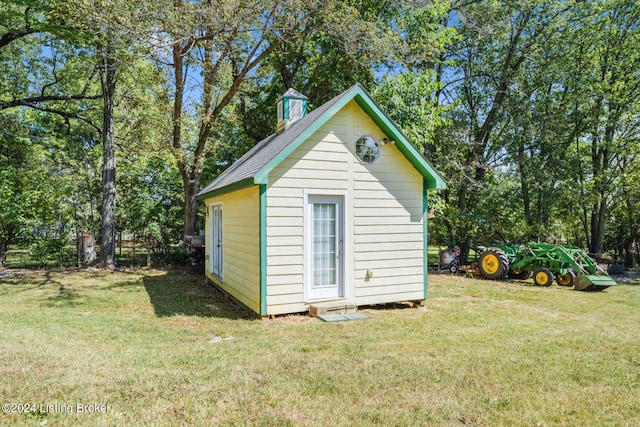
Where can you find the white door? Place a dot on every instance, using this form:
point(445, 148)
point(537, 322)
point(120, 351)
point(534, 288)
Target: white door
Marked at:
point(324, 246)
point(215, 216)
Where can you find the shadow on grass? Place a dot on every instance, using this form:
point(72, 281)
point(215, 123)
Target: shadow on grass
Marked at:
point(64, 297)
point(389, 306)
point(18, 281)
point(185, 293)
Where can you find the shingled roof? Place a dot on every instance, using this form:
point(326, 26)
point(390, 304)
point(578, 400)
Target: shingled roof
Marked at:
point(254, 167)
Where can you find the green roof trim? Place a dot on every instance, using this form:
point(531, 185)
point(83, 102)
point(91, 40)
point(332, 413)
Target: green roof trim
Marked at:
point(425, 238)
point(363, 99)
point(263, 249)
point(384, 122)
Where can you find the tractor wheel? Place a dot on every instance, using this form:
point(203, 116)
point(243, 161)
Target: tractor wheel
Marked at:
point(567, 279)
point(519, 274)
point(543, 277)
point(493, 264)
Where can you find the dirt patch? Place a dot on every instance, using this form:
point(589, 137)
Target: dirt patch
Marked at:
point(18, 272)
point(290, 318)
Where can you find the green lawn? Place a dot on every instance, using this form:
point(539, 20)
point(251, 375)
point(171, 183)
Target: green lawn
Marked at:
point(162, 348)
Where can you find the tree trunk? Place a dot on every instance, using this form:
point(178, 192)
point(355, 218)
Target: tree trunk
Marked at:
point(600, 158)
point(149, 245)
point(629, 255)
point(598, 217)
point(190, 163)
point(584, 214)
point(631, 241)
point(190, 206)
point(86, 248)
point(108, 229)
point(79, 249)
point(524, 185)
point(4, 247)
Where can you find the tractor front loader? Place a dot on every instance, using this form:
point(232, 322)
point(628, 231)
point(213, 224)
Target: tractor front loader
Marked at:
point(569, 265)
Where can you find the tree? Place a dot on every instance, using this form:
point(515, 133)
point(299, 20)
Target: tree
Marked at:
point(149, 203)
point(115, 51)
point(36, 44)
point(50, 39)
point(609, 88)
point(13, 156)
point(496, 41)
point(37, 185)
point(107, 69)
point(320, 64)
point(225, 42)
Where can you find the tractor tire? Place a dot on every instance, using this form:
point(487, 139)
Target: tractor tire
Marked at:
point(519, 274)
point(543, 277)
point(567, 279)
point(493, 264)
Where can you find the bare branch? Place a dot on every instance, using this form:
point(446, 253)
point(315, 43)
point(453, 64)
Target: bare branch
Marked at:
point(65, 114)
point(30, 102)
point(15, 35)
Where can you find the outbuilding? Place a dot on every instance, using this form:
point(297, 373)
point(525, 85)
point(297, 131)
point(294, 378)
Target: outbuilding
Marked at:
point(332, 208)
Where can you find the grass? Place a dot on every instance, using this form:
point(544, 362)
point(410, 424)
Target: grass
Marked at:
point(163, 348)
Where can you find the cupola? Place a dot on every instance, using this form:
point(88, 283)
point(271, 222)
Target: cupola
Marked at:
point(292, 106)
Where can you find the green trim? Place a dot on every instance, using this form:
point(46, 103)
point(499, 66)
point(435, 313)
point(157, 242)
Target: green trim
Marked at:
point(425, 237)
point(263, 249)
point(386, 124)
point(247, 182)
point(363, 99)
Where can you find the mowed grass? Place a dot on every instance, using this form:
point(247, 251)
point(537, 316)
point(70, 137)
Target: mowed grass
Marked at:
point(163, 348)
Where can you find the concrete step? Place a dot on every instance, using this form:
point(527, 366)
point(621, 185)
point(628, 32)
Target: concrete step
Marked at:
point(331, 308)
point(342, 317)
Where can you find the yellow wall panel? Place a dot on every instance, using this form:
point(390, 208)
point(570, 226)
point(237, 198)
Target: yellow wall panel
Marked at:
point(241, 245)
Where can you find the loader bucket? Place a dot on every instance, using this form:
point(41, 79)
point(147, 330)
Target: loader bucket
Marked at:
point(593, 282)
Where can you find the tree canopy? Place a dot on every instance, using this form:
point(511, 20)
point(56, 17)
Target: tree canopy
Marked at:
point(530, 110)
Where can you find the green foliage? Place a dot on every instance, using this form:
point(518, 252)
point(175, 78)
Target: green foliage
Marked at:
point(52, 251)
point(35, 187)
point(409, 99)
point(538, 144)
point(529, 110)
point(149, 204)
point(426, 34)
point(14, 185)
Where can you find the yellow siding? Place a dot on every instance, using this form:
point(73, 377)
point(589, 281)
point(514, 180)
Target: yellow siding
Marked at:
point(384, 228)
point(241, 246)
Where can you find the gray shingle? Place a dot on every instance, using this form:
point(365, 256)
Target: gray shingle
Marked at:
point(266, 150)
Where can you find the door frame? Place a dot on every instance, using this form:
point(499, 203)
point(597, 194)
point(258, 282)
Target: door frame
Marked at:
point(343, 263)
point(216, 251)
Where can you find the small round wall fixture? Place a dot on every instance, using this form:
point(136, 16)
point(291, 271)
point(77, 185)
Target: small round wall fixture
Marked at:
point(367, 149)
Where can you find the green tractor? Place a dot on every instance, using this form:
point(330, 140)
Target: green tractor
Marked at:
point(569, 265)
